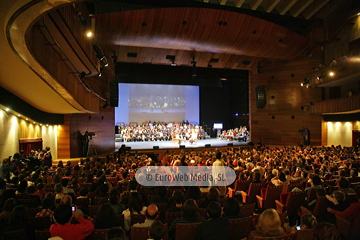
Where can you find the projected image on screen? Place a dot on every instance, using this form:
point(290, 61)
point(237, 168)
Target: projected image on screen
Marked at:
point(140, 103)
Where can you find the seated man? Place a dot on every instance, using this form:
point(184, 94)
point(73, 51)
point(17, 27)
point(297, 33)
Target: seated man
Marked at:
point(64, 229)
point(116, 233)
point(151, 214)
point(217, 227)
point(67, 200)
point(157, 230)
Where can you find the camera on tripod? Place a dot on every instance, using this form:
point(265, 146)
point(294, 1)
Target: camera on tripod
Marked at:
point(91, 134)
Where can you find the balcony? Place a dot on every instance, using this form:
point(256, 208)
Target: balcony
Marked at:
point(338, 105)
point(343, 72)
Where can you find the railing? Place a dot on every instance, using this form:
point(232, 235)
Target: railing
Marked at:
point(337, 105)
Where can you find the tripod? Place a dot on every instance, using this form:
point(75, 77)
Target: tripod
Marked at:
point(91, 148)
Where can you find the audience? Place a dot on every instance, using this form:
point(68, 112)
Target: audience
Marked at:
point(157, 230)
point(314, 168)
point(19, 220)
point(116, 234)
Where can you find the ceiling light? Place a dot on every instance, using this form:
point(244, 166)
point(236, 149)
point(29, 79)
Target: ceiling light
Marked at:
point(7, 109)
point(47, 125)
point(33, 122)
point(358, 14)
point(18, 115)
point(89, 34)
point(40, 124)
point(223, 79)
point(26, 119)
point(331, 73)
point(99, 74)
point(302, 84)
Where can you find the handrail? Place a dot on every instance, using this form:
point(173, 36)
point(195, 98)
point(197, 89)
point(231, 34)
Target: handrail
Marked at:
point(338, 105)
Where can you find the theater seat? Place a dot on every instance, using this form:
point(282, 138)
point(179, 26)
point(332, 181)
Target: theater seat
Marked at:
point(186, 231)
point(239, 228)
point(284, 237)
point(271, 195)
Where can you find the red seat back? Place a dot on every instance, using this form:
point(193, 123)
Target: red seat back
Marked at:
point(186, 231)
point(248, 209)
point(294, 201)
point(241, 185)
point(272, 194)
point(254, 189)
point(239, 228)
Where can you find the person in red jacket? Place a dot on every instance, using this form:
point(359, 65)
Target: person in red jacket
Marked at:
point(64, 229)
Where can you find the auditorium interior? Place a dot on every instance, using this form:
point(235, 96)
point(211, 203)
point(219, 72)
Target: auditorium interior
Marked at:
point(275, 66)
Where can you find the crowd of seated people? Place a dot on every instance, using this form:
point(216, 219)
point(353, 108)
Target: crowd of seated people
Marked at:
point(101, 193)
point(152, 102)
point(161, 131)
point(241, 134)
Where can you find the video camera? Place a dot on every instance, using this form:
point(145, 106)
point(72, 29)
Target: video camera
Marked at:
point(91, 134)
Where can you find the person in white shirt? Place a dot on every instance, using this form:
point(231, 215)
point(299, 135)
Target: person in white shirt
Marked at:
point(151, 213)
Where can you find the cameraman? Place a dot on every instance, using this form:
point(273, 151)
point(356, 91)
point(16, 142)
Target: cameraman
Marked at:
point(85, 143)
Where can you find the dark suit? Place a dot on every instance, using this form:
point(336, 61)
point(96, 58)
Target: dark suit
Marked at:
point(214, 229)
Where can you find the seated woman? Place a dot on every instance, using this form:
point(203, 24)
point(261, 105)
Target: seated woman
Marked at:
point(213, 195)
point(106, 217)
point(135, 207)
point(232, 209)
point(269, 225)
point(190, 214)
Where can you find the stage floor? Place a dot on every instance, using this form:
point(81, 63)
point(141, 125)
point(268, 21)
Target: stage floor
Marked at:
point(214, 142)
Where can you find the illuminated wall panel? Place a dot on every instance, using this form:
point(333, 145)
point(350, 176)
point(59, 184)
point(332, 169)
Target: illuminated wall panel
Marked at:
point(340, 133)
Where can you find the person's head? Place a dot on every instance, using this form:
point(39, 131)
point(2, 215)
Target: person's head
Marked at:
point(320, 192)
point(161, 191)
point(218, 155)
point(66, 200)
point(135, 204)
point(58, 188)
point(89, 178)
point(9, 205)
point(179, 197)
point(214, 210)
point(19, 217)
point(30, 190)
point(105, 213)
point(343, 183)
point(256, 176)
point(194, 192)
point(326, 231)
point(308, 221)
point(213, 194)
point(190, 209)
point(232, 207)
point(63, 214)
point(316, 181)
point(124, 197)
point(116, 233)
point(47, 203)
point(269, 223)
point(2, 184)
point(114, 196)
point(152, 212)
point(282, 177)
point(339, 196)
point(157, 230)
point(40, 186)
point(64, 182)
point(84, 192)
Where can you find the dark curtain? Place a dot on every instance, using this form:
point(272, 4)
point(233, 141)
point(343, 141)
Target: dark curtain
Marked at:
point(30, 144)
point(355, 135)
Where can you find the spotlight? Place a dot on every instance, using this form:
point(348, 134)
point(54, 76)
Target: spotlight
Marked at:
point(302, 84)
point(105, 105)
point(82, 74)
point(89, 33)
point(358, 14)
point(99, 74)
point(18, 115)
point(40, 124)
point(47, 125)
point(26, 119)
point(33, 122)
point(7, 109)
point(332, 74)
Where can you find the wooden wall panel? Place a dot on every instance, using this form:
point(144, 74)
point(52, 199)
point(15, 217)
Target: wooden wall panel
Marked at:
point(287, 103)
point(324, 133)
point(63, 140)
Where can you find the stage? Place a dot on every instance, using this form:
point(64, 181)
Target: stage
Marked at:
point(214, 142)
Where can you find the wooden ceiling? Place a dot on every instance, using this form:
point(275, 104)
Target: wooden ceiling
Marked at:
point(214, 37)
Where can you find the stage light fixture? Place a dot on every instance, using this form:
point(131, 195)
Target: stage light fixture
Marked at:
point(82, 74)
point(89, 33)
point(18, 115)
point(26, 119)
point(332, 74)
point(99, 74)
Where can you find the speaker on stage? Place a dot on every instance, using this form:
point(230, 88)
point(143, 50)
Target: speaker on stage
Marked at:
point(182, 146)
point(260, 97)
point(207, 145)
point(114, 94)
point(230, 144)
point(156, 147)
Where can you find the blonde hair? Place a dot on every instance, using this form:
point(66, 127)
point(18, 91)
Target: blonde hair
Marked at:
point(269, 224)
